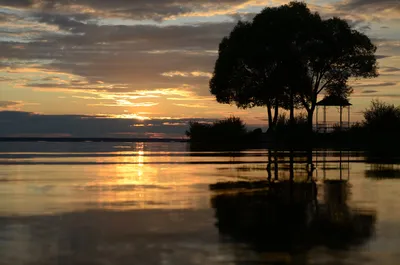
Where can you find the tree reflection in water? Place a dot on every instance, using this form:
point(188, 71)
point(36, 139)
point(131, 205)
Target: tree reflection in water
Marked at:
point(383, 164)
point(286, 217)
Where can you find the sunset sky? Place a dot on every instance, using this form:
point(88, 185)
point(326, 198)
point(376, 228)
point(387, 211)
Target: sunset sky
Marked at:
point(76, 67)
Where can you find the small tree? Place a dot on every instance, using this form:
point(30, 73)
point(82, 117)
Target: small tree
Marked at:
point(228, 130)
point(382, 118)
point(198, 131)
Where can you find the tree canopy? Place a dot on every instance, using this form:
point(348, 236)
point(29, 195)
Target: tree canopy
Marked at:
point(287, 56)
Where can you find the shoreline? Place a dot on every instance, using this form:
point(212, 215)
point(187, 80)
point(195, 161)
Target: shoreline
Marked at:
point(89, 139)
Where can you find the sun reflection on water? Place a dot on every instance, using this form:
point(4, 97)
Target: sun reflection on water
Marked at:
point(130, 183)
point(136, 181)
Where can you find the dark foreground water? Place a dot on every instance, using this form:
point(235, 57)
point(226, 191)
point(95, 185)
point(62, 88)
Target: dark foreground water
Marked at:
point(158, 203)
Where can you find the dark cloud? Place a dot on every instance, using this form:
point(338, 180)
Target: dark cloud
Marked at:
point(390, 69)
point(369, 91)
point(392, 96)
point(135, 9)
point(135, 55)
point(76, 86)
point(379, 95)
point(4, 79)
point(372, 5)
point(6, 104)
point(15, 123)
point(380, 56)
point(17, 3)
point(377, 84)
point(139, 37)
point(380, 40)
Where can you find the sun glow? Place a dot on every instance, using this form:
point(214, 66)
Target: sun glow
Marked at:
point(127, 116)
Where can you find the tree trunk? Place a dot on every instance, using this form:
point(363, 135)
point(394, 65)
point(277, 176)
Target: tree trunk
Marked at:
point(310, 110)
point(310, 165)
point(276, 113)
point(291, 109)
point(310, 115)
point(270, 123)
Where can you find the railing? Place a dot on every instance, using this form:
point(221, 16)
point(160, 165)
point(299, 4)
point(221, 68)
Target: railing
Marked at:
point(331, 126)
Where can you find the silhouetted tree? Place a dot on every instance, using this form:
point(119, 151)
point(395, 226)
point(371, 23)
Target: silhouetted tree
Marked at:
point(382, 118)
point(198, 130)
point(334, 53)
point(286, 54)
point(280, 30)
point(255, 66)
point(229, 130)
point(339, 89)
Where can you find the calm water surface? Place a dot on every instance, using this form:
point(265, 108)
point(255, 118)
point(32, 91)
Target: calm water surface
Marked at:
point(159, 203)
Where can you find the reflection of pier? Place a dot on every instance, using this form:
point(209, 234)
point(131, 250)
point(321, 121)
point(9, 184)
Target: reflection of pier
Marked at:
point(304, 165)
point(340, 164)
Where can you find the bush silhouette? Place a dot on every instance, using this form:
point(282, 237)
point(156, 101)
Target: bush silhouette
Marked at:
point(228, 130)
point(382, 118)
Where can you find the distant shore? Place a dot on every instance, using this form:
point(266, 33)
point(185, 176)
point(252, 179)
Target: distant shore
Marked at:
point(87, 139)
point(341, 141)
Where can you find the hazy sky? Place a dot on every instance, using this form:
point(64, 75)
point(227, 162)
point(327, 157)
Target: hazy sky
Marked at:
point(148, 59)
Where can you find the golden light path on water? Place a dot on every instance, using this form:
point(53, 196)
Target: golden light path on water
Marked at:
point(129, 183)
point(134, 177)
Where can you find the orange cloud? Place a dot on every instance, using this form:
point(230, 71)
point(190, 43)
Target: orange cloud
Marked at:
point(187, 74)
point(191, 105)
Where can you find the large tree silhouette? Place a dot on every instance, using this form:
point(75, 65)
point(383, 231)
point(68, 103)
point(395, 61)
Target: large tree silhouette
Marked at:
point(288, 54)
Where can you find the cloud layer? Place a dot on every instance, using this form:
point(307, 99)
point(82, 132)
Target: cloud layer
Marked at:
point(25, 124)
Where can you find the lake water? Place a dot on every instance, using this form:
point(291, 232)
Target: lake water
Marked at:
point(160, 203)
